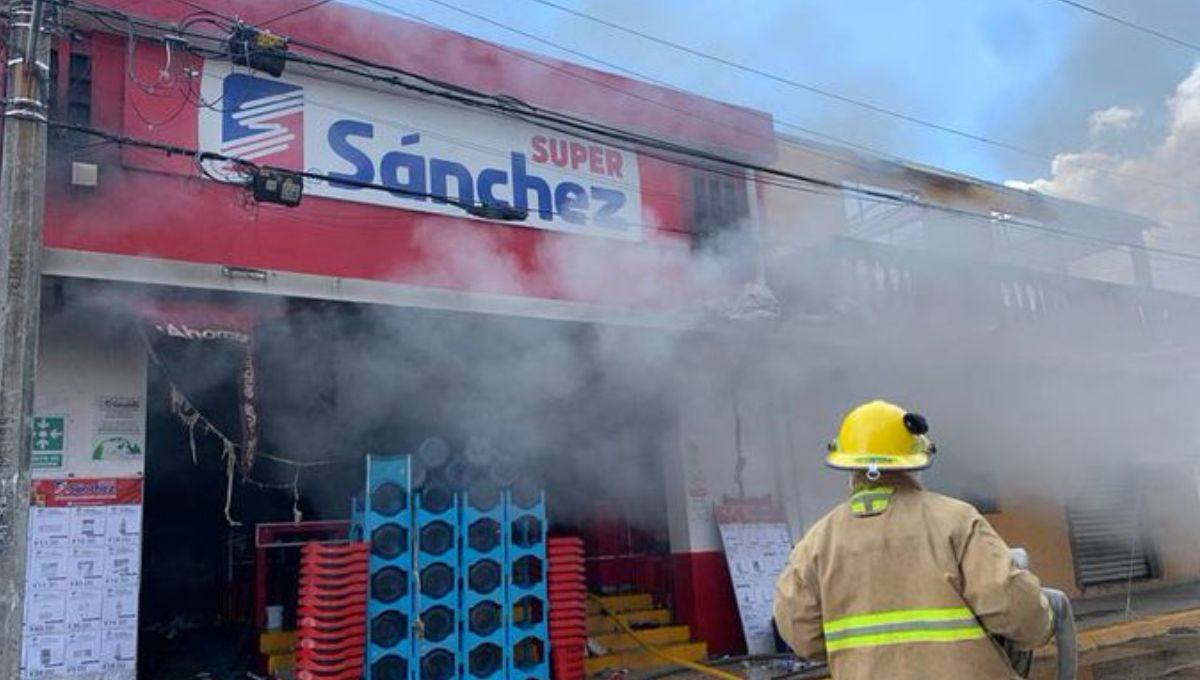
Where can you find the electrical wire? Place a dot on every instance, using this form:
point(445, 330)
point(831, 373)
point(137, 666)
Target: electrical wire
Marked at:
point(654, 102)
point(600, 83)
point(867, 195)
point(1117, 20)
point(495, 98)
point(294, 12)
point(501, 103)
point(195, 5)
point(522, 55)
point(666, 151)
point(1008, 146)
point(248, 168)
point(550, 65)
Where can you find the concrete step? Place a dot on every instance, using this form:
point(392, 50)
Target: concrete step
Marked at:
point(599, 624)
point(277, 641)
point(632, 602)
point(276, 663)
point(656, 637)
point(641, 660)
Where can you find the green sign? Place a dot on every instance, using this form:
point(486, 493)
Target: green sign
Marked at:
point(49, 441)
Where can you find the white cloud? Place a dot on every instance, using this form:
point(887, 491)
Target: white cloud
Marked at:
point(1114, 118)
point(1162, 183)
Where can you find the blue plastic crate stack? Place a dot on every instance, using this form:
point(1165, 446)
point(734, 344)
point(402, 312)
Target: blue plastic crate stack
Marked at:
point(458, 565)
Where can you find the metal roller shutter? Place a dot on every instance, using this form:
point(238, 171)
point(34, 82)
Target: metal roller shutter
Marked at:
point(1107, 540)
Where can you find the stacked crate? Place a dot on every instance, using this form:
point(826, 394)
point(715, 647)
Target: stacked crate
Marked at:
point(436, 649)
point(567, 583)
point(457, 571)
point(387, 522)
point(332, 611)
point(525, 556)
point(483, 596)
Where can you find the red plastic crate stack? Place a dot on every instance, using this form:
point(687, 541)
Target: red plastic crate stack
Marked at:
point(332, 617)
point(568, 607)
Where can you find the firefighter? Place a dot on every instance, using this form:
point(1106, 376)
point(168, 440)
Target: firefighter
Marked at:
point(900, 583)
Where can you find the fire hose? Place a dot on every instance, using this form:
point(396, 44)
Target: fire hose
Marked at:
point(1021, 660)
point(671, 658)
point(1067, 656)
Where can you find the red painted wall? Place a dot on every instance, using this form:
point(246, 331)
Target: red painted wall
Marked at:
point(199, 221)
point(704, 600)
point(473, 63)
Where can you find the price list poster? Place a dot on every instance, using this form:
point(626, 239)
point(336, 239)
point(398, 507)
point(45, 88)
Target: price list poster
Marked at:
point(82, 575)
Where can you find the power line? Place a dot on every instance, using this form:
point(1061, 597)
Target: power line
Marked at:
point(640, 144)
point(837, 158)
point(394, 10)
point(1008, 146)
point(196, 6)
point(628, 71)
point(1115, 19)
point(294, 12)
point(616, 67)
point(474, 208)
point(498, 213)
point(202, 156)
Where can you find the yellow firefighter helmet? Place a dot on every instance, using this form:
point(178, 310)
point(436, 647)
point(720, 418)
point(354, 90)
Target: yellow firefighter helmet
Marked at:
point(879, 437)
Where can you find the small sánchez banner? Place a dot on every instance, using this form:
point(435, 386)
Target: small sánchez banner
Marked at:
point(67, 493)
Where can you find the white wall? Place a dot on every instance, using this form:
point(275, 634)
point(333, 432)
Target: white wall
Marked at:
point(702, 467)
point(83, 568)
point(81, 362)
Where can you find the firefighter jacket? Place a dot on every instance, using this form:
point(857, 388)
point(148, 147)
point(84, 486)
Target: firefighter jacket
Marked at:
point(900, 583)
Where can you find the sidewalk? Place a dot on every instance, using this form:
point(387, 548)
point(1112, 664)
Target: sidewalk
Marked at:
point(1103, 611)
point(1114, 620)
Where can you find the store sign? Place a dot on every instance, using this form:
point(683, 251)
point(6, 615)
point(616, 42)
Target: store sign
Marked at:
point(428, 153)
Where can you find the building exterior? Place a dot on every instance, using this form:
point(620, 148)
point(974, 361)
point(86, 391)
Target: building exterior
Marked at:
point(163, 275)
point(1047, 362)
point(188, 327)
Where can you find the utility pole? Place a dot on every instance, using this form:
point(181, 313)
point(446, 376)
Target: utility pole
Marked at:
point(23, 202)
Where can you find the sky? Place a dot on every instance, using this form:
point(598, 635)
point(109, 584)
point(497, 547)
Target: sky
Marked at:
point(1025, 72)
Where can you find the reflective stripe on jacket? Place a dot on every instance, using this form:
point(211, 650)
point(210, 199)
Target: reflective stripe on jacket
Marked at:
point(902, 583)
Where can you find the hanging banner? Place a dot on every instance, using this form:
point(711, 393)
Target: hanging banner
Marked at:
point(248, 409)
point(757, 544)
point(211, 323)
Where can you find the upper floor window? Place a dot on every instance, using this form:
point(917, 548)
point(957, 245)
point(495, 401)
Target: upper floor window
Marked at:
point(871, 216)
point(720, 207)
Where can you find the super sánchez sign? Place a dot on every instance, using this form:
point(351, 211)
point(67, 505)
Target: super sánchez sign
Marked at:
point(419, 147)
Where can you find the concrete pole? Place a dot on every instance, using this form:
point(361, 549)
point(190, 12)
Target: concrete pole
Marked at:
point(23, 202)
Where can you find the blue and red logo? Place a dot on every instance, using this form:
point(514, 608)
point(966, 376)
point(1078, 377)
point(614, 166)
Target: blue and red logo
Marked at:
point(263, 121)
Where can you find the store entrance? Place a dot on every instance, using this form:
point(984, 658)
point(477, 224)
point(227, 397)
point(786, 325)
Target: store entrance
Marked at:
point(196, 618)
point(570, 404)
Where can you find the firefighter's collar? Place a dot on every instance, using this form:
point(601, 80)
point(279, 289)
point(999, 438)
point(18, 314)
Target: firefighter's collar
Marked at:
point(896, 480)
point(871, 501)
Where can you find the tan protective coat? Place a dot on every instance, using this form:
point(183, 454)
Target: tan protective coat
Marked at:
point(923, 556)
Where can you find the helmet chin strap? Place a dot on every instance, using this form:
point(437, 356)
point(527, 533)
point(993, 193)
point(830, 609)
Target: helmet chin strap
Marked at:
point(873, 472)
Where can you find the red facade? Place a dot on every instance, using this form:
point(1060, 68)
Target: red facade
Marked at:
point(151, 205)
